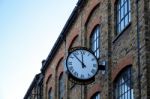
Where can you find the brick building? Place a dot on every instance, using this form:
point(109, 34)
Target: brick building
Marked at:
point(35, 90)
point(118, 32)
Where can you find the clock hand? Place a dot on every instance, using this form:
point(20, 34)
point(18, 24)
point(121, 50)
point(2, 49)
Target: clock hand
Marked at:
point(83, 65)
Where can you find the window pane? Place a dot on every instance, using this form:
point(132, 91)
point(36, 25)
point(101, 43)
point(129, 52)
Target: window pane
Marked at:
point(95, 46)
point(129, 17)
point(122, 14)
point(132, 94)
point(98, 53)
point(118, 17)
point(129, 5)
point(119, 28)
point(118, 7)
point(125, 8)
point(97, 43)
point(95, 35)
point(122, 2)
point(122, 25)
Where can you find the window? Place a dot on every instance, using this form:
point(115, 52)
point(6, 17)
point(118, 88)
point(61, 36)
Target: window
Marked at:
point(123, 15)
point(123, 85)
point(61, 87)
point(95, 41)
point(96, 96)
point(50, 94)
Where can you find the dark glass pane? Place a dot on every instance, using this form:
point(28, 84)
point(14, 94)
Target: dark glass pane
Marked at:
point(126, 20)
point(122, 25)
point(125, 8)
point(122, 14)
point(122, 2)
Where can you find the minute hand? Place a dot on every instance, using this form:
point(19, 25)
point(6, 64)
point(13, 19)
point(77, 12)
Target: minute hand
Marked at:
point(83, 65)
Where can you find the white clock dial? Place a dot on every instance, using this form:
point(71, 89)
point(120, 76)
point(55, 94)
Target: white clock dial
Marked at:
point(82, 64)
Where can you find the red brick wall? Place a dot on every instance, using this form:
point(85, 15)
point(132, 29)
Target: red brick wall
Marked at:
point(93, 90)
point(122, 63)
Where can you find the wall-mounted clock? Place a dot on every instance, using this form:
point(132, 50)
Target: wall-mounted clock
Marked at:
point(82, 64)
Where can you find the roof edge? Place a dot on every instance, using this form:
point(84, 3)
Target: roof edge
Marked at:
point(62, 35)
point(32, 85)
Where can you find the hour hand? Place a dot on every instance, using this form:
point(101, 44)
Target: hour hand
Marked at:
point(83, 65)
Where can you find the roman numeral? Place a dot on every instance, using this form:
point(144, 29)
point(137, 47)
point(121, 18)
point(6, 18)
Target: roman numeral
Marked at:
point(93, 71)
point(82, 76)
point(89, 75)
point(94, 65)
point(82, 52)
point(71, 69)
point(69, 63)
point(76, 53)
point(92, 59)
point(71, 57)
point(76, 74)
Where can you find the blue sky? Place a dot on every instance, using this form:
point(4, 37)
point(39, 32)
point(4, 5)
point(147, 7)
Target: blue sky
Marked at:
point(28, 31)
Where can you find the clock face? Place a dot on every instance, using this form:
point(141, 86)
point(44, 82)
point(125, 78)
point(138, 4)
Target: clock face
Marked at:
point(82, 64)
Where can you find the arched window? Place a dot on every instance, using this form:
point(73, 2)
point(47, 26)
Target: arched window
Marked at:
point(123, 85)
point(96, 96)
point(123, 15)
point(95, 41)
point(61, 86)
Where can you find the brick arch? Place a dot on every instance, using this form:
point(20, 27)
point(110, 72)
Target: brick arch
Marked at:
point(48, 79)
point(50, 89)
point(90, 24)
point(92, 30)
point(48, 84)
point(93, 25)
point(60, 75)
point(95, 88)
point(89, 33)
point(122, 64)
point(58, 63)
point(118, 73)
point(98, 92)
point(72, 41)
point(47, 76)
point(91, 13)
point(59, 68)
point(90, 8)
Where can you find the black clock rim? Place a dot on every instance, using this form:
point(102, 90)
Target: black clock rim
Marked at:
point(80, 48)
point(80, 80)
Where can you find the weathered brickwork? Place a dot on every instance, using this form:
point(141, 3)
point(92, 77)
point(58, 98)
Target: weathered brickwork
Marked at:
point(129, 48)
point(147, 39)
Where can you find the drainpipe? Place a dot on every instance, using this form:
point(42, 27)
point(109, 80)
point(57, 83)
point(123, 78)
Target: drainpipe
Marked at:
point(138, 50)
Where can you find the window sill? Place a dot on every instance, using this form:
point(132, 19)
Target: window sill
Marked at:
point(122, 32)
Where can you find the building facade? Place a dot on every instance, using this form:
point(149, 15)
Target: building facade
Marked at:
point(118, 33)
point(35, 90)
